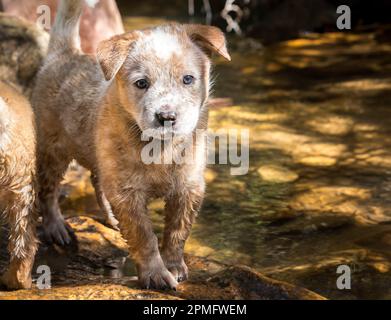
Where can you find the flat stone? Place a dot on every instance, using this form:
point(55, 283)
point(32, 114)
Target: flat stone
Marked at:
point(318, 161)
point(277, 174)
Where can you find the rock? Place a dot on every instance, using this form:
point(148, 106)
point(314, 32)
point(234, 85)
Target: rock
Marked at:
point(318, 161)
point(96, 267)
point(245, 283)
point(277, 174)
point(210, 175)
point(307, 224)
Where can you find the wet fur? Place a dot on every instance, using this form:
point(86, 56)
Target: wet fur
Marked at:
point(18, 185)
point(84, 111)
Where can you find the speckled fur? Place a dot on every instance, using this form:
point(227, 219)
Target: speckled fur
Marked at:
point(99, 123)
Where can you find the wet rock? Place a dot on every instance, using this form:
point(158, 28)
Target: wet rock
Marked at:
point(245, 283)
point(98, 268)
point(318, 161)
point(309, 224)
point(277, 174)
point(210, 175)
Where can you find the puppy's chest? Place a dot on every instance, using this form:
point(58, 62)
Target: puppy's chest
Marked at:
point(161, 180)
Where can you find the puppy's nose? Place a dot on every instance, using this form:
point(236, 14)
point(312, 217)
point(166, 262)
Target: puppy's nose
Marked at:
point(166, 116)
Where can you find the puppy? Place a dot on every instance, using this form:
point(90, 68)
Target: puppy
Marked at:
point(18, 184)
point(156, 81)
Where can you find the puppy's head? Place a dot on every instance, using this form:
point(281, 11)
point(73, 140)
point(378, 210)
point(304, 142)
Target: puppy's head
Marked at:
point(163, 74)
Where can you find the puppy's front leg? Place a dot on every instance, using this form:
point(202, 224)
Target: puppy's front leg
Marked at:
point(181, 210)
point(131, 210)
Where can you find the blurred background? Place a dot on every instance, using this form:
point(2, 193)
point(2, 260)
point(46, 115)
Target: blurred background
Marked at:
point(267, 20)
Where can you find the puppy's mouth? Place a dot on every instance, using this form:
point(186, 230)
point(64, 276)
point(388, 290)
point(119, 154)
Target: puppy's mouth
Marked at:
point(162, 133)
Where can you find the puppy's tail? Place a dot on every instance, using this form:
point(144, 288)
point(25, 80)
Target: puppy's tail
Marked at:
point(65, 31)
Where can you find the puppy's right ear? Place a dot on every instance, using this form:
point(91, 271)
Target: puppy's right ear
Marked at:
point(111, 53)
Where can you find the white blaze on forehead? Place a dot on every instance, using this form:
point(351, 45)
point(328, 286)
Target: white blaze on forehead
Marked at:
point(92, 3)
point(163, 44)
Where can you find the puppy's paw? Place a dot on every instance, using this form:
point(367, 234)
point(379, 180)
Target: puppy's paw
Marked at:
point(179, 270)
point(177, 267)
point(58, 231)
point(154, 275)
point(12, 282)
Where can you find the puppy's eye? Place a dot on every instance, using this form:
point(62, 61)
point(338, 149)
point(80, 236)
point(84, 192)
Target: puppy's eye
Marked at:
point(188, 79)
point(142, 84)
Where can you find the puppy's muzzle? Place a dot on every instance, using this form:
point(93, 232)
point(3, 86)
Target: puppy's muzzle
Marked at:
point(166, 117)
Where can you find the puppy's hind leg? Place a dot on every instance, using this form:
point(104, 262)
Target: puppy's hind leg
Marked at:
point(23, 242)
point(52, 164)
point(104, 203)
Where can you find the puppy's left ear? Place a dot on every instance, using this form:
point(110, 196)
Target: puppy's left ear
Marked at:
point(111, 53)
point(211, 39)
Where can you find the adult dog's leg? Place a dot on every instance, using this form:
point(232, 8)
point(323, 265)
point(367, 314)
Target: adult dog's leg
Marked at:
point(103, 202)
point(180, 212)
point(23, 242)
